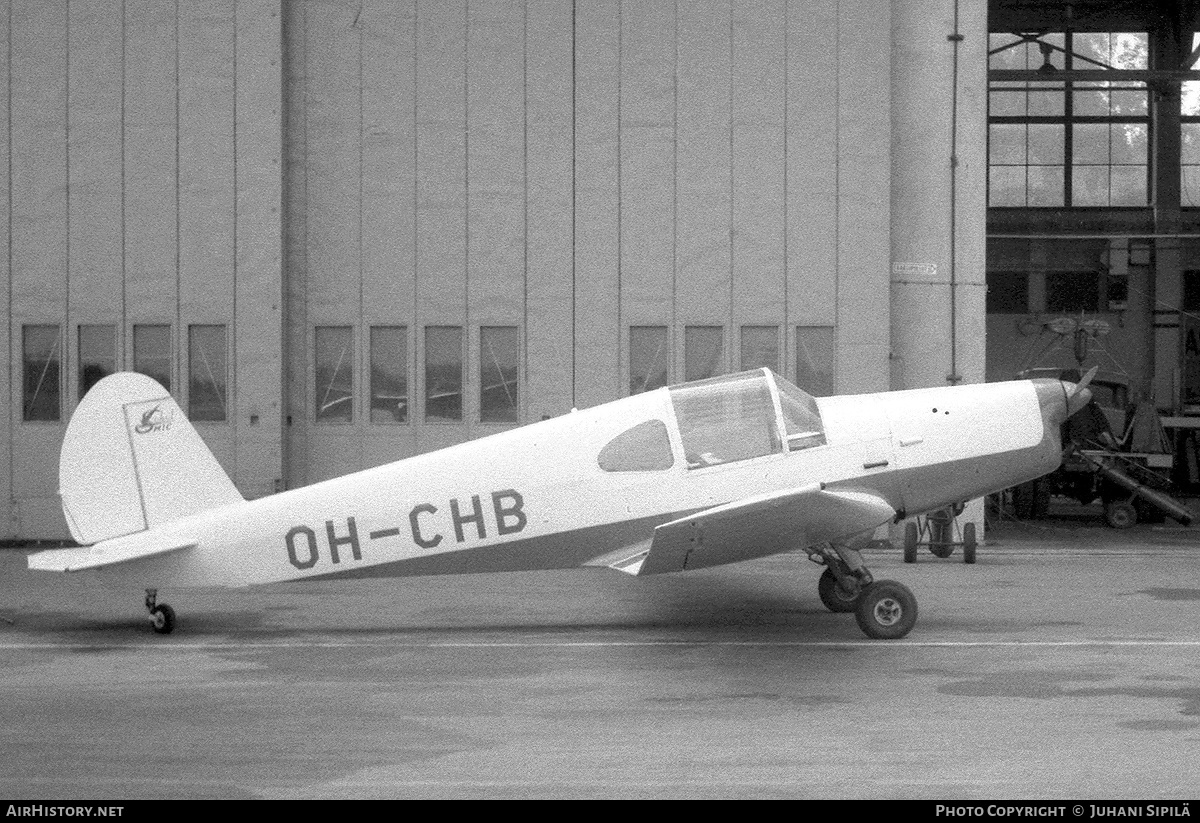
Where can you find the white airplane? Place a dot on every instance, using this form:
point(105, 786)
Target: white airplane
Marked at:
point(685, 477)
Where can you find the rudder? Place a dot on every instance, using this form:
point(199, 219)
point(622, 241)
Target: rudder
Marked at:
point(131, 460)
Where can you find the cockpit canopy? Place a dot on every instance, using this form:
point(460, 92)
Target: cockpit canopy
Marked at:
point(722, 420)
point(742, 416)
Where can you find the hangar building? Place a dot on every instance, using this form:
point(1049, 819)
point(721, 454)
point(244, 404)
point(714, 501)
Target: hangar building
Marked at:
point(343, 232)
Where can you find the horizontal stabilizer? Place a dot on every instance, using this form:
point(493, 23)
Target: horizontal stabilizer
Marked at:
point(763, 525)
point(108, 553)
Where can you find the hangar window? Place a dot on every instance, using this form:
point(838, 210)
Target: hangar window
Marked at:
point(703, 352)
point(443, 374)
point(645, 447)
point(726, 419)
point(389, 374)
point(152, 352)
point(499, 361)
point(1078, 142)
point(97, 355)
point(647, 358)
point(760, 347)
point(334, 384)
point(207, 372)
point(814, 359)
point(42, 359)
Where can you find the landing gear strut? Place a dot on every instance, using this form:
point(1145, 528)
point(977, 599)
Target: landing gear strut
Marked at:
point(884, 609)
point(162, 616)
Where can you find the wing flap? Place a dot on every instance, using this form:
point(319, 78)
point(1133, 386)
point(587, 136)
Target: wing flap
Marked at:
point(762, 525)
point(100, 555)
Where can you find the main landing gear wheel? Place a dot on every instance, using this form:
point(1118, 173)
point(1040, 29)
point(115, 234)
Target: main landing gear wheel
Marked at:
point(886, 610)
point(969, 543)
point(162, 616)
point(834, 596)
point(911, 537)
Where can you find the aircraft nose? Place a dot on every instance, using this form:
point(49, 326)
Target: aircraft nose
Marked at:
point(1059, 400)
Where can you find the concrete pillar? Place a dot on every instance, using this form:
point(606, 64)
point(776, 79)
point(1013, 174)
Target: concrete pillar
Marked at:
point(939, 174)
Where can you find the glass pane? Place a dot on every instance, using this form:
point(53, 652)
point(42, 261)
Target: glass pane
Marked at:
point(1191, 186)
point(1006, 144)
point(1092, 101)
point(1046, 102)
point(1090, 185)
point(334, 374)
point(814, 359)
point(1129, 143)
point(760, 347)
point(97, 355)
point(1006, 51)
point(206, 372)
point(152, 353)
point(42, 358)
point(647, 358)
point(1007, 101)
point(389, 374)
point(443, 374)
point(1045, 144)
point(1189, 103)
point(499, 362)
point(1191, 143)
point(1045, 186)
point(703, 352)
point(1129, 103)
point(1089, 144)
point(1129, 186)
point(1006, 186)
point(726, 419)
point(801, 417)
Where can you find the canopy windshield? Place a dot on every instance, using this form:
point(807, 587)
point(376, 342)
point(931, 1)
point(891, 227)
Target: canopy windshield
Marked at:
point(735, 417)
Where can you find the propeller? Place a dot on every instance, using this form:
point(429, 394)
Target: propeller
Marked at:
point(1078, 394)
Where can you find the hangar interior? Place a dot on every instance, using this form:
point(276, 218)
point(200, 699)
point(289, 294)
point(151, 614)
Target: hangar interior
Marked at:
point(342, 233)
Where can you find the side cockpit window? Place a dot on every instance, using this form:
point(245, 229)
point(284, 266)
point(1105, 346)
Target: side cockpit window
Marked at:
point(801, 417)
point(644, 448)
point(726, 419)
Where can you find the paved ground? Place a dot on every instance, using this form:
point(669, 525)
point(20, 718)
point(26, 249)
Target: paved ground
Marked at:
point(1064, 664)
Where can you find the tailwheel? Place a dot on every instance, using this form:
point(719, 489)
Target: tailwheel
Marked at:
point(162, 616)
point(836, 597)
point(886, 610)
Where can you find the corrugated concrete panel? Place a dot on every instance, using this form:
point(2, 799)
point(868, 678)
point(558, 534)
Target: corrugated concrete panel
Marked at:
point(647, 164)
point(864, 191)
point(207, 202)
point(758, 96)
point(812, 164)
point(257, 375)
point(9, 391)
point(598, 321)
point(39, 243)
point(150, 164)
point(549, 267)
point(704, 199)
point(389, 200)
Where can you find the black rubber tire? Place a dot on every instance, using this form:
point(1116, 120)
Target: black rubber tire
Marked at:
point(162, 619)
point(1120, 514)
point(886, 610)
point(969, 543)
point(833, 596)
point(941, 538)
point(911, 533)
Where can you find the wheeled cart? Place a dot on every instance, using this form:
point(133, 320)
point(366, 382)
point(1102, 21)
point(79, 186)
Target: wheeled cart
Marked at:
point(938, 530)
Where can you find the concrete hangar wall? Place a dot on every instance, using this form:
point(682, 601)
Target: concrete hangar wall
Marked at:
point(348, 232)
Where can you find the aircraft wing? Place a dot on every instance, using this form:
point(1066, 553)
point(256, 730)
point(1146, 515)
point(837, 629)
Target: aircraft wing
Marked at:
point(759, 526)
point(94, 557)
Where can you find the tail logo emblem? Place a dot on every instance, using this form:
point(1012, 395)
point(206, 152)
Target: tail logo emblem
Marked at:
point(154, 420)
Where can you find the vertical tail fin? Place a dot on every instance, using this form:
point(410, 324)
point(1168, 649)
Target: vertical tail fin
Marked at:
point(131, 460)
